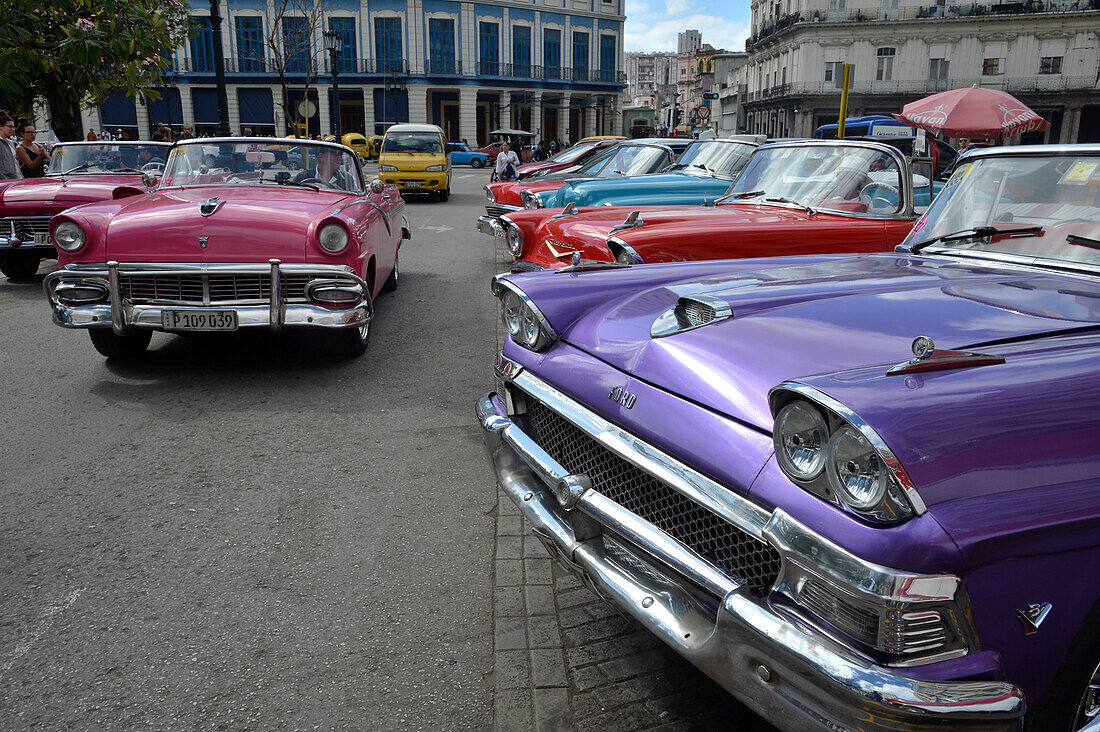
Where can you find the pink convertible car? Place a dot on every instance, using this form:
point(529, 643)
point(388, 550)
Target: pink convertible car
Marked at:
point(231, 238)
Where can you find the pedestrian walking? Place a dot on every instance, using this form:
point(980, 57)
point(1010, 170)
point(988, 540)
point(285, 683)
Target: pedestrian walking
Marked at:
point(9, 164)
point(507, 162)
point(92, 136)
point(32, 157)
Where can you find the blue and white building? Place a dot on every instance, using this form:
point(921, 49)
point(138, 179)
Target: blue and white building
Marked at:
point(553, 67)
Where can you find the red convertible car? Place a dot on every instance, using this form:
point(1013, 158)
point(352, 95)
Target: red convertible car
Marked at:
point(80, 172)
point(231, 239)
point(633, 157)
point(799, 197)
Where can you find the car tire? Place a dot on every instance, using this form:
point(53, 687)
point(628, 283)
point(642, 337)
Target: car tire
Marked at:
point(293, 165)
point(352, 342)
point(121, 347)
point(444, 194)
point(476, 163)
point(19, 265)
point(1061, 707)
point(393, 280)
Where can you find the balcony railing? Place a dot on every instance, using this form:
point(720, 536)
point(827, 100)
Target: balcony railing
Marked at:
point(1014, 85)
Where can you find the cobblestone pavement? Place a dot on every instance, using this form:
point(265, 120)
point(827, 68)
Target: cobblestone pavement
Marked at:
point(564, 659)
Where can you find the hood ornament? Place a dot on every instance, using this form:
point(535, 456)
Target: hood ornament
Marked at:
point(559, 250)
point(926, 357)
point(209, 206)
point(633, 220)
point(569, 210)
point(1033, 616)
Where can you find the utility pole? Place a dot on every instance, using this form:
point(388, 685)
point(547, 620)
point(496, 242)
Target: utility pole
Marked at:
point(219, 69)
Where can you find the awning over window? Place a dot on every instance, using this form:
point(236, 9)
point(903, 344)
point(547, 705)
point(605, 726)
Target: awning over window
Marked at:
point(118, 111)
point(168, 109)
point(257, 107)
point(206, 106)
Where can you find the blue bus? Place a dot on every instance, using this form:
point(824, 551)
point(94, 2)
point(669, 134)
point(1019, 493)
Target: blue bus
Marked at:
point(873, 125)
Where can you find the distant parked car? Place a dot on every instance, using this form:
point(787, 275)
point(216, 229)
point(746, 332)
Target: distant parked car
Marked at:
point(218, 249)
point(567, 158)
point(79, 173)
point(492, 150)
point(860, 492)
point(461, 154)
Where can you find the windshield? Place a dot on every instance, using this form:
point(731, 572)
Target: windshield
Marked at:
point(107, 158)
point(412, 142)
point(256, 163)
point(717, 156)
point(1055, 197)
point(570, 154)
point(859, 180)
point(625, 160)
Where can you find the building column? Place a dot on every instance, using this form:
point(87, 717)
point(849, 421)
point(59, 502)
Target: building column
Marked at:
point(418, 104)
point(143, 130)
point(323, 117)
point(187, 106)
point(563, 119)
point(368, 110)
point(89, 117)
point(1071, 125)
point(467, 114)
point(536, 116)
point(617, 115)
point(588, 128)
point(234, 108)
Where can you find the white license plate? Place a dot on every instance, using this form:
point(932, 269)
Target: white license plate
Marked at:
point(199, 320)
point(41, 240)
point(413, 184)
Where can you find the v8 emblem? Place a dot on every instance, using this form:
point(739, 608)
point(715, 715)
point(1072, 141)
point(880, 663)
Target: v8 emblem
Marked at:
point(622, 396)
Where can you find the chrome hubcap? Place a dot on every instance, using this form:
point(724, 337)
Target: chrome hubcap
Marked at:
point(1089, 708)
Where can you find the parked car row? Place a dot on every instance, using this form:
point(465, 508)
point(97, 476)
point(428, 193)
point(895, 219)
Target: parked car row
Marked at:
point(858, 484)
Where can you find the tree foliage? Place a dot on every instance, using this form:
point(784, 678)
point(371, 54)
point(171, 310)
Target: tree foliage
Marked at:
point(71, 52)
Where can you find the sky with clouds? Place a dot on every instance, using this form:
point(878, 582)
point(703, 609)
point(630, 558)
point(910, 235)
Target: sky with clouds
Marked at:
point(652, 25)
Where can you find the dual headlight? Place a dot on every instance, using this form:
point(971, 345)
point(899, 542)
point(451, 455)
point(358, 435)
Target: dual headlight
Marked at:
point(333, 237)
point(513, 237)
point(387, 168)
point(523, 321)
point(829, 451)
point(530, 200)
point(69, 236)
point(435, 168)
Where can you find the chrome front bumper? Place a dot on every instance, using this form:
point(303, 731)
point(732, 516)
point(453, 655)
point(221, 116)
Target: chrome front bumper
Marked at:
point(787, 672)
point(123, 315)
point(490, 225)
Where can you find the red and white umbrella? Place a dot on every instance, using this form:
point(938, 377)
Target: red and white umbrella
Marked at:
point(973, 113)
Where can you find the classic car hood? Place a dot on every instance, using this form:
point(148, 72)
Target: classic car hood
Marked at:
point(70, 191)
point(510, 193)
point(792, 321)
point(255, 223)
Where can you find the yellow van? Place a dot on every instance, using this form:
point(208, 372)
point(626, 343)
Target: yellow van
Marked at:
point(356, 142)
point(415, 159)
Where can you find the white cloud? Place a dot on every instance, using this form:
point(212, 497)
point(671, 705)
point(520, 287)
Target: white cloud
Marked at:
point(645, 31)
point(678, 7)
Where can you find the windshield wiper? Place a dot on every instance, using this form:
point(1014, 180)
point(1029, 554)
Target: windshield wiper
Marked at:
point(747, 194)
point(82, 166)
point(1083, 241)
point(290, 183)
point(700, 165)
point(127, 170)
point(785, 199)
point(977, 232)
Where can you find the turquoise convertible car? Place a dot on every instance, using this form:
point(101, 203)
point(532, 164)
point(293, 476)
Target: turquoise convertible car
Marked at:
point(703, 173)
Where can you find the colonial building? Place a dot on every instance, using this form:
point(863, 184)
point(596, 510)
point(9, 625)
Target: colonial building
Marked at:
point(645, 72)
point(1045, 53)
point(553, 67)
point(729, 114)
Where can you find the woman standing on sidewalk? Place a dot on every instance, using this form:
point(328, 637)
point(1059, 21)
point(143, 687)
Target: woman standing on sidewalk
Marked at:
point(32, 156)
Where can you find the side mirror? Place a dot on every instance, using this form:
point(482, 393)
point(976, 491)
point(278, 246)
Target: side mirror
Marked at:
point(149, 180)
point(377, 186)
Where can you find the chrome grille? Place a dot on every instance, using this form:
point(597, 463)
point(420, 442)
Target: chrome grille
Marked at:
point(860, 624)
point(498, 211)
point(25, 227)
point(223, 288)
point(692, 313)
point(727, 547)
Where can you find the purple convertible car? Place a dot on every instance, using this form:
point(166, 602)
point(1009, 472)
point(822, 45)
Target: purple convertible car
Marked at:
point(860, 492)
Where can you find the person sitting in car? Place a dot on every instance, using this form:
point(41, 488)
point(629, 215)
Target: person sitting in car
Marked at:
point(326, 171)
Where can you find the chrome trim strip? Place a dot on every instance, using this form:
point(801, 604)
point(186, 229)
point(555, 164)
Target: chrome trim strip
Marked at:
point(275, 311)
point(117, 321)
point(667, 324)
point(820, 684)
point(711, 495)
point(499, 281)
point(891, 460)
point(1006, 259)
point(625, 247)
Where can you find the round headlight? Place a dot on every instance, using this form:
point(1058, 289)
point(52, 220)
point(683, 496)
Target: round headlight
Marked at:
point(855, 470)
point(511, 312)
point(515, 240)
point(800, 438)
point(489, 195)
point(333, 237)
point(530, 202)
point(530, 332)
point(69, 236)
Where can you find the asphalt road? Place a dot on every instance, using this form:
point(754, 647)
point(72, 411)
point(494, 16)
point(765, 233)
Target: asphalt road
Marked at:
point(247, 533)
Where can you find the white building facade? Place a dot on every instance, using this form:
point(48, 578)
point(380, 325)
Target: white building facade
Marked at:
point(645, 73)
point(552, 67)
point(1046, 54)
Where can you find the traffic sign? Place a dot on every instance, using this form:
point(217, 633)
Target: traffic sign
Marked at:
point(702, 112)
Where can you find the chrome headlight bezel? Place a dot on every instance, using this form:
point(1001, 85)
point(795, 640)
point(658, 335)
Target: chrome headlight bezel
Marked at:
point(531, 201)
point(894, 500)
point(534, 331)
point(333, 237)
point(489, 197)
point(387, 168)
point(513, 237)
point(69, 236)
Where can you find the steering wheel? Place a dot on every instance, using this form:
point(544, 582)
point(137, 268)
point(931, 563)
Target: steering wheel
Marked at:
point(877, 195)
point(153, 166)
point(313, 180)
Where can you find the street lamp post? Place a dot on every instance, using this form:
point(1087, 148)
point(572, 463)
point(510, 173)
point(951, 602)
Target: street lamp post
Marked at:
point(333, 42)
point(219, 68)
